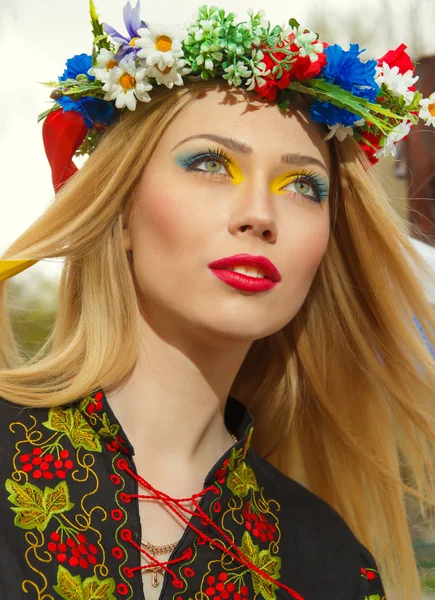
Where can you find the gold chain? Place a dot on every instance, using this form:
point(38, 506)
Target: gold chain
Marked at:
point(154, 550)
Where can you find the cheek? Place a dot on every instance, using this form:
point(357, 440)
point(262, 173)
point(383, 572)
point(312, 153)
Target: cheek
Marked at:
point(307, 247)
point(159, 221)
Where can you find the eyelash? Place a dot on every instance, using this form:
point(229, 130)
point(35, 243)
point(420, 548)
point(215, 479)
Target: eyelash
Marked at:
point(321, 190)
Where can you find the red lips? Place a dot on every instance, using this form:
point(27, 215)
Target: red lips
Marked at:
point(260, 262)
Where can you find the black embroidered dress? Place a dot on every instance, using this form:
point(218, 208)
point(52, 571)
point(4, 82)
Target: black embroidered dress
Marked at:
point(70, 525)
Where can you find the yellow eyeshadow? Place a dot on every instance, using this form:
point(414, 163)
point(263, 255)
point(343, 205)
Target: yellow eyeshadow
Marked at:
point(236, 173)
point(281, 181)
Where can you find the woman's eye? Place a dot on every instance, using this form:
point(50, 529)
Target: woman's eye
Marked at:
point(211, 165)
point(303, 187)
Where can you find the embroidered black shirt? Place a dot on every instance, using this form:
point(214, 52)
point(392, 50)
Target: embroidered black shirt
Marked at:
point(70, 525)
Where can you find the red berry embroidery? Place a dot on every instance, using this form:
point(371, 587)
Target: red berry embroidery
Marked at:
point(45, 466)
point(95, 404)
point(77, 552)
point(258, 524)
point(219, 588)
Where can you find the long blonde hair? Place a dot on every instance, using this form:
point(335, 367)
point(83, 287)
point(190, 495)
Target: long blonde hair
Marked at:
point(347, 386)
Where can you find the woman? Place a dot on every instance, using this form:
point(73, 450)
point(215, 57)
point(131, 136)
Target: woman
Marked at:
point(231, 403)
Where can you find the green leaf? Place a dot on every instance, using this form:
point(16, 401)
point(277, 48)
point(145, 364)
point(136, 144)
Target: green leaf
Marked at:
point(109, 430)
point(74, 425)
point(45, 114)
point(97, 28)
point(293, 23)
point(35, 508)
point(100, 38)
point(266, 562)
point(49, 83)
point(249, 549)
point(241, 480)
point(57, 501)
point(271, 566)
point(96, 589)
point(29, 505)
point(70, 587)
point(327, 92)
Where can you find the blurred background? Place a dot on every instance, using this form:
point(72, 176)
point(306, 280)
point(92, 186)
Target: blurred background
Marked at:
point(47, 32)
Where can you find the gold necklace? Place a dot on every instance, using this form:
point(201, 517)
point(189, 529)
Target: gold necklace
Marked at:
point(154, 550)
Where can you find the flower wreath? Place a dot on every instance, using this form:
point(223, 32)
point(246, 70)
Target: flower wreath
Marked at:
point(374, 101)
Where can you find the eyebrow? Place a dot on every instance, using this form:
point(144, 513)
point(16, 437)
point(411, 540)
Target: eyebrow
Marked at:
point(290, 158)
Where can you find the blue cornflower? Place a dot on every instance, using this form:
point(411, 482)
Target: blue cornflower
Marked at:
point(325, 112)
point(345, 69)
point(132, 22)
point(93, 110)
point(77, 65)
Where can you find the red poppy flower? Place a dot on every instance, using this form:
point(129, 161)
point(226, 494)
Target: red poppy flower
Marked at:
point(398, 58)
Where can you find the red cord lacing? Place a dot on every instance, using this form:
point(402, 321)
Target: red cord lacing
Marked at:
point(169, 502)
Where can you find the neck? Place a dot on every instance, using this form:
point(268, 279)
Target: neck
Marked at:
point(172, 405)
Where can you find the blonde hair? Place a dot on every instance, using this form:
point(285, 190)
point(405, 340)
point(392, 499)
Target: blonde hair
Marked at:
point(347, 386)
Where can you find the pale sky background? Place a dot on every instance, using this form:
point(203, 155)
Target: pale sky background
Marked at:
point(37, 36)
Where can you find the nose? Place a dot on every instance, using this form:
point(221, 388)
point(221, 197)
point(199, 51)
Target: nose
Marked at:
point(253, 210)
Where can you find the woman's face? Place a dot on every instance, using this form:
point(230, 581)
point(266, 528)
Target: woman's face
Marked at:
point(229, 178)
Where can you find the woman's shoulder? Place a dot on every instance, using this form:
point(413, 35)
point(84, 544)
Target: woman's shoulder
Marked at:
point(313, 528)
point(12, 413)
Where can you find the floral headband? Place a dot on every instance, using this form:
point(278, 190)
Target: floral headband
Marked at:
point(373, 101)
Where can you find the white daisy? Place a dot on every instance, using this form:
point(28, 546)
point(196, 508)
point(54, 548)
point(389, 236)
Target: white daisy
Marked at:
point(395, 136)
point(341, 131)
point(161, 45)
point(105, 62)
point(170, 76)
point(398, 83)
point(427, 112)
point(127, 84)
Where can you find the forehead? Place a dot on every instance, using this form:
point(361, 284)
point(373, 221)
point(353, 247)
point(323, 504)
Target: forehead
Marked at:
point(250, 119)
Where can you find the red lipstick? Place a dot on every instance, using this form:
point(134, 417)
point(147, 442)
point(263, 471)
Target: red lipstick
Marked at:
point(221, 268)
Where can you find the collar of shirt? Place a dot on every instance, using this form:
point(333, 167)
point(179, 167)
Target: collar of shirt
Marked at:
point(239, 421)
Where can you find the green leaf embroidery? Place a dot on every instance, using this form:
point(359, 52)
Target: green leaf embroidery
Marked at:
point(270, 565)
point(74, 425)
point(266, 562)
point(109, 430)
point(35, 507)
point(241, 480)
point(249, 549)
point(71, 587)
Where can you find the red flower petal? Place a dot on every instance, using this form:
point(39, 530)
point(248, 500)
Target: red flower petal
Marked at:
point(398, 58)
